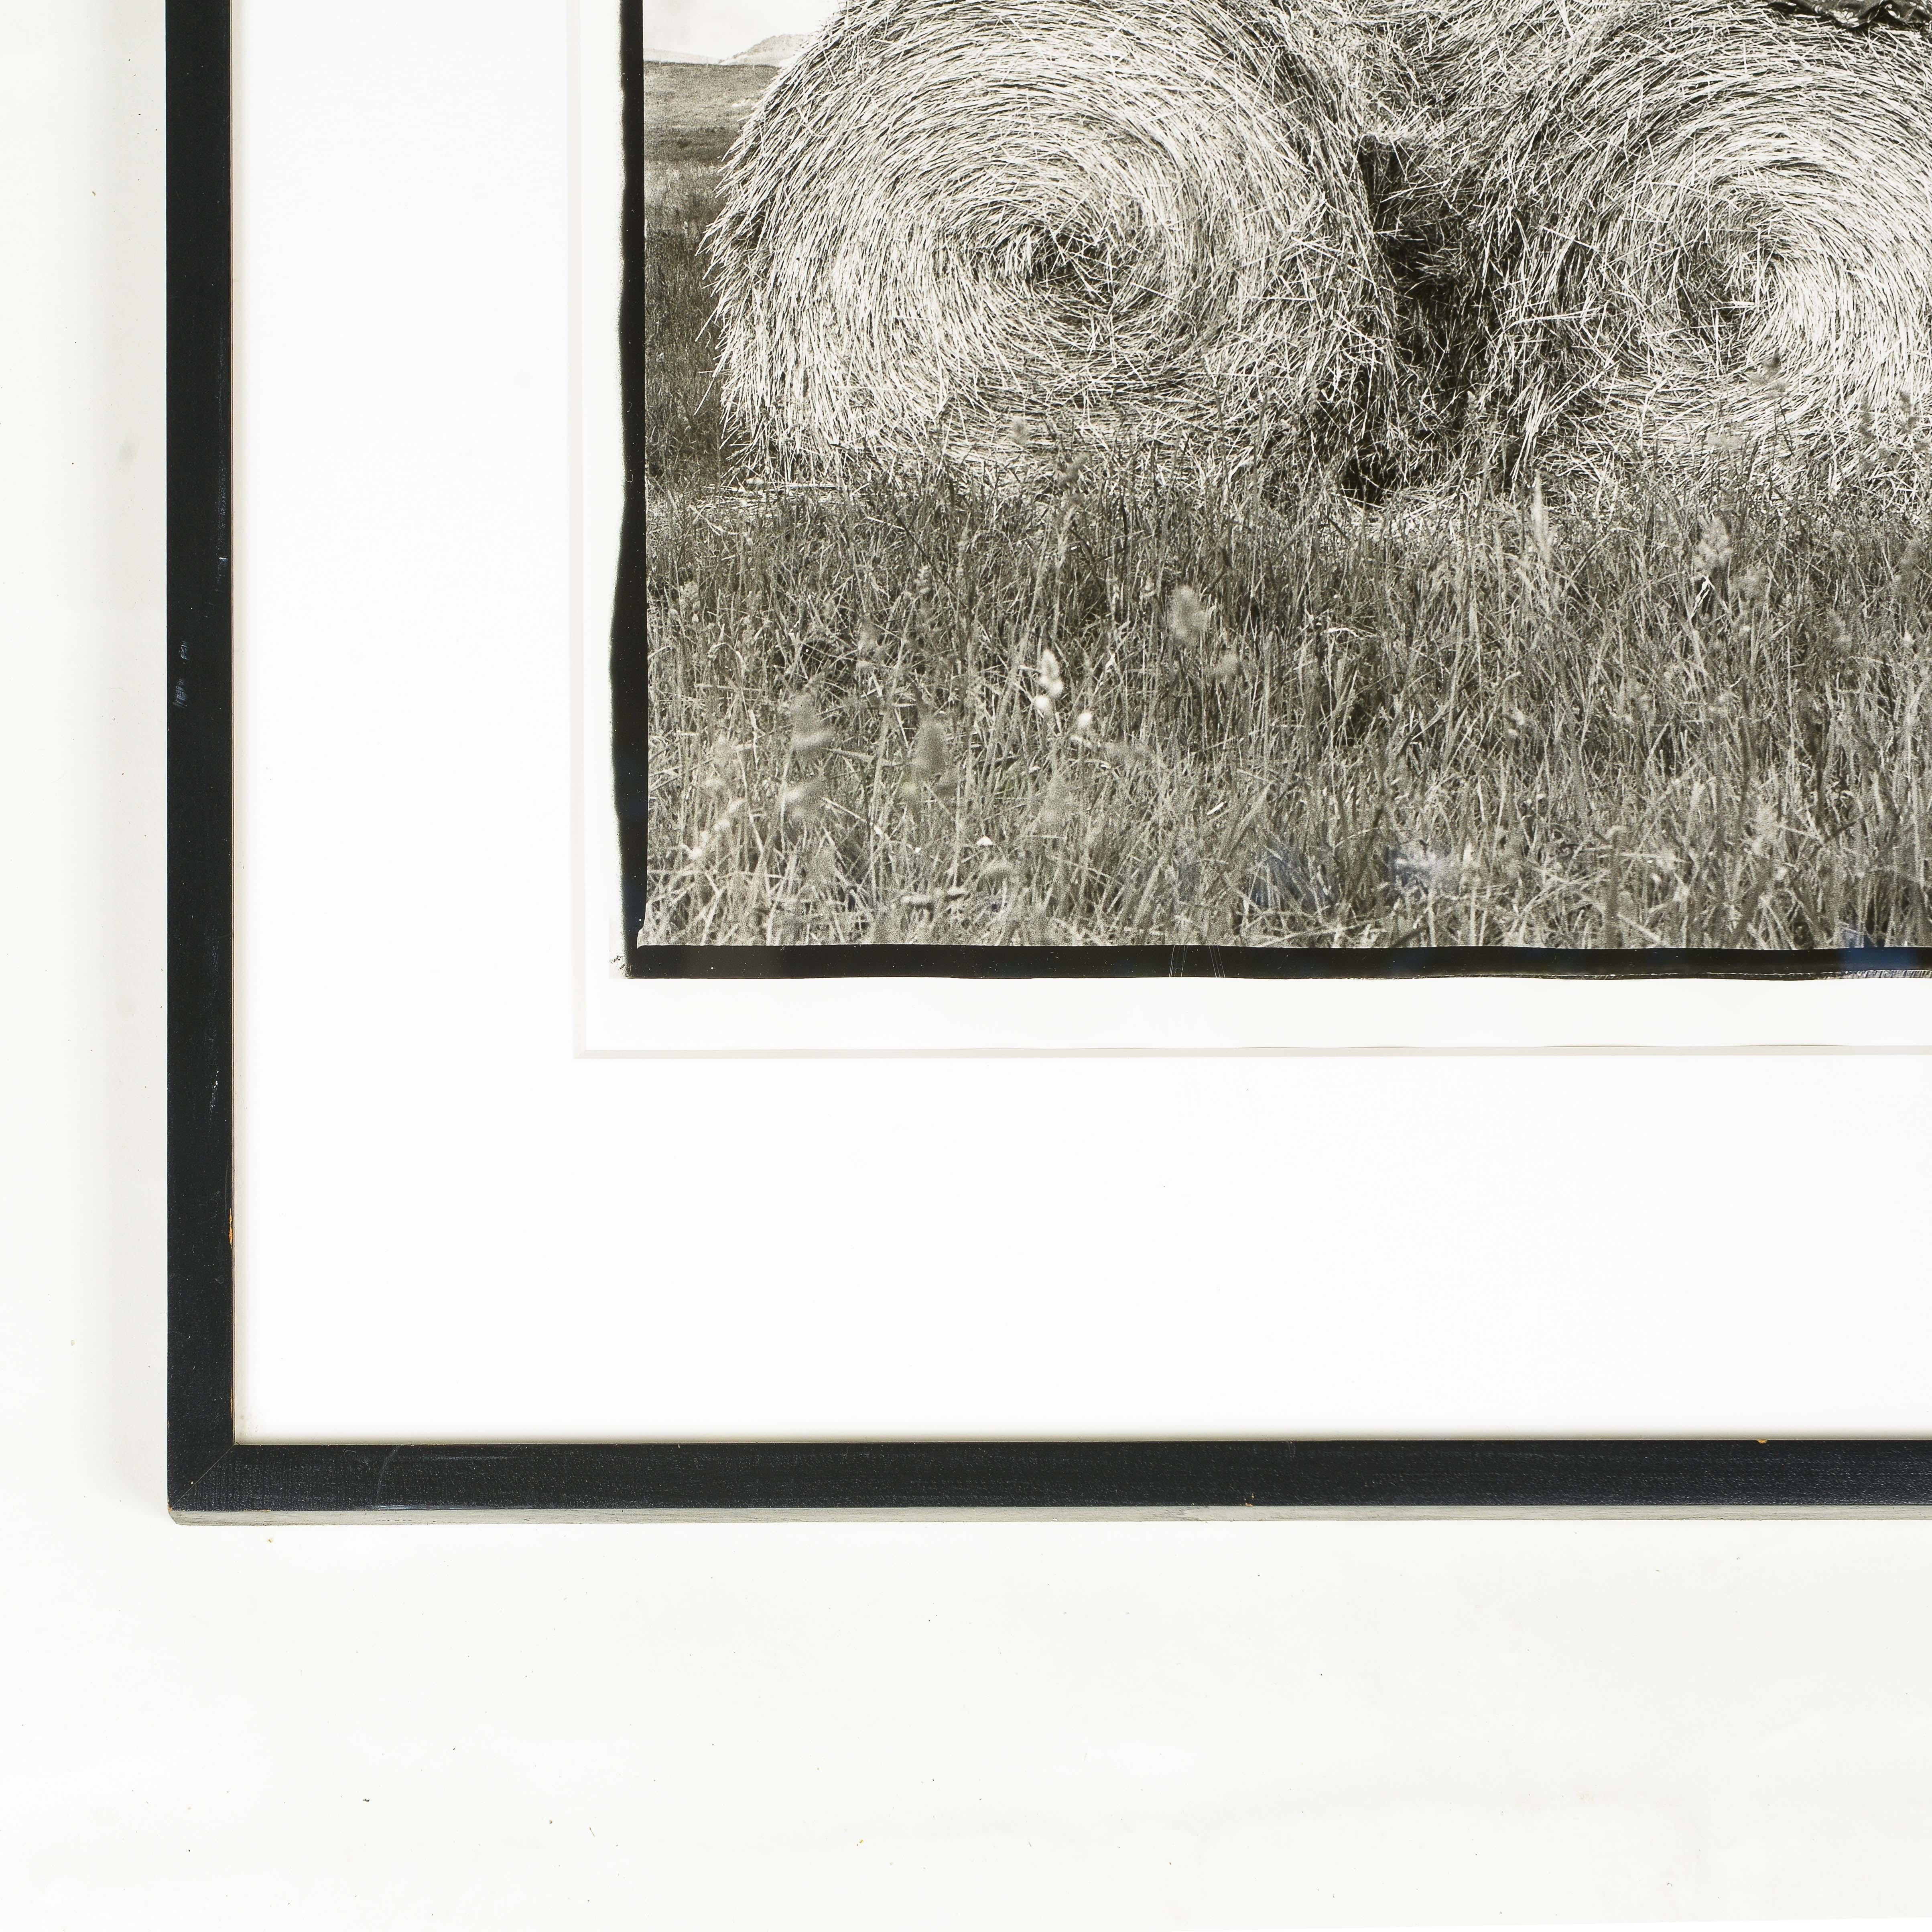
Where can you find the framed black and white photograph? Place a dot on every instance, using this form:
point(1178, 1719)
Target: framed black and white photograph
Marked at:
point(950, 754)
point(1424, 494)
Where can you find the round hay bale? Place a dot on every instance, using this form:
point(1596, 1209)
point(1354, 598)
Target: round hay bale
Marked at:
point(986, 230)
point(1697, 227)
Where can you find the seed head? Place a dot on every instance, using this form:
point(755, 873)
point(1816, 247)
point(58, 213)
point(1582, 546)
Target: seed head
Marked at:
point(799, 805)
point(931, 763)
point(1711, 560)
point(718, 829)
point(1190, 617)
point(1051, 686)
point(1058, 806)
point(809, 733)
point(1418, 871)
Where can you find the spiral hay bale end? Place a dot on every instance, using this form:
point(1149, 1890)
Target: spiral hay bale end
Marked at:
point(1696, 226)
point(968, 232)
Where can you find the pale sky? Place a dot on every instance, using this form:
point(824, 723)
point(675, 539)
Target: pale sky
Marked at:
point(724, 27)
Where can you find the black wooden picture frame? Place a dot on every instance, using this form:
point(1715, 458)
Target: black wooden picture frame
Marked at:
point(212, 1477)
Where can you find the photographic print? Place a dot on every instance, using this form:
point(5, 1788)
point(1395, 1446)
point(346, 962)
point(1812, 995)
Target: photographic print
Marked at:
point(1342, 478)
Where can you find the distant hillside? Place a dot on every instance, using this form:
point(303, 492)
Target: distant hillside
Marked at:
point(692, 112)
point(655, 55)
point(780, 50)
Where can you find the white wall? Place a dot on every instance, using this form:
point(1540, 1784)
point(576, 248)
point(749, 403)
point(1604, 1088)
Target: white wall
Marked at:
point(855, 1727)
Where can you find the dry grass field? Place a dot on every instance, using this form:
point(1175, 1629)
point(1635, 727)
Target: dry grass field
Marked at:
point(1274, 715)
point(692, 112)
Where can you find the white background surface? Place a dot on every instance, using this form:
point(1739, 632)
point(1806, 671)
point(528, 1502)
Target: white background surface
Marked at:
point(857, 1726)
